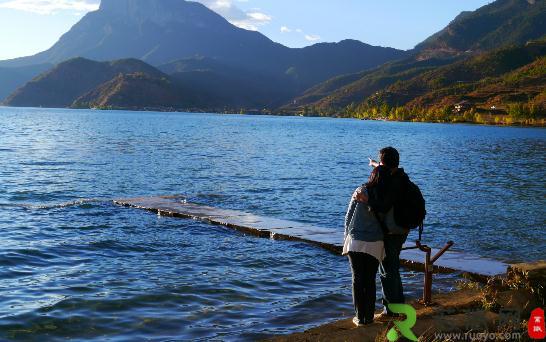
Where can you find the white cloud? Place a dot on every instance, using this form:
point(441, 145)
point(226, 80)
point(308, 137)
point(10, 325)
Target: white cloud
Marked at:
point(285, 29)
point(312, 37)
point(46, 7)
point(249, 20)
point(258, 16)
point(308, 37)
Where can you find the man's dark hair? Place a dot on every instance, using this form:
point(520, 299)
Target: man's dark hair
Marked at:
point(389, 157)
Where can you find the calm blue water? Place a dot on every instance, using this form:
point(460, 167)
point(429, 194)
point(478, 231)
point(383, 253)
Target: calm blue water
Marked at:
point(73, 265)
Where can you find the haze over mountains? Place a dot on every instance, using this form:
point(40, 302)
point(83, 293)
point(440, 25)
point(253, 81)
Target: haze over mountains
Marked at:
point(192, 58)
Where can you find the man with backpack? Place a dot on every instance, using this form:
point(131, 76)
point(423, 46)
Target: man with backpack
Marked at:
point(399, 192)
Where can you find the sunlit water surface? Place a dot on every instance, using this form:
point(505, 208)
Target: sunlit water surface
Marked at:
point(73, 265)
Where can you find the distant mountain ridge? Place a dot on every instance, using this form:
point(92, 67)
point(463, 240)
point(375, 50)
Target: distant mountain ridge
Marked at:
point(451, 83)
point(63, 84)
point(509, 80)
point(12, 78)
point(201, 61)
point(136, 91)
point(164, 31)
point(155, 31)
point(341, 91)
point(133, 84)
point(499, 24)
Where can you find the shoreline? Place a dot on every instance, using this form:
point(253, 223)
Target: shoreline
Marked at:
point(540, 124)
point(500, 308)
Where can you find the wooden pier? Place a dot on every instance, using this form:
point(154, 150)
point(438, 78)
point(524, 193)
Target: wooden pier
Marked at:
point(326, 238)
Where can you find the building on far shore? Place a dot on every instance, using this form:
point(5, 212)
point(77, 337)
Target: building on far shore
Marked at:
point(462, 106)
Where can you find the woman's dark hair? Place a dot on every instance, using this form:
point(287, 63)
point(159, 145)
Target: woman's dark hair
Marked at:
point(389, 157)
point(377, 177)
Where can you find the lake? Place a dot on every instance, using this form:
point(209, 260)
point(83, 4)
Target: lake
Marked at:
point(74, 265)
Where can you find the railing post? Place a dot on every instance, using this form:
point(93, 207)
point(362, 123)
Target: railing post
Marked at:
point(429, 269)
point(427, 289)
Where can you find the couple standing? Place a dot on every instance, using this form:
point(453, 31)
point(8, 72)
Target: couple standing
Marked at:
point(373, 239)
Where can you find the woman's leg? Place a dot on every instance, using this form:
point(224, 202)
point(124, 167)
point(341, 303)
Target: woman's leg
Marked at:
point(371, 265)
point(358, 268)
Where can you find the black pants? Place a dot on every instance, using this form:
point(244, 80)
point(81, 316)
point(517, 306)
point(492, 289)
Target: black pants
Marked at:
point(364, 267)
point(391, 282)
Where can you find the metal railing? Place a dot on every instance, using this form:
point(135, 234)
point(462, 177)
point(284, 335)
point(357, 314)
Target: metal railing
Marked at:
point(429, 265)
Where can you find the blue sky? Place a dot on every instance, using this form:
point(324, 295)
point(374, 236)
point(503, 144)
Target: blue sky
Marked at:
point(31, 26)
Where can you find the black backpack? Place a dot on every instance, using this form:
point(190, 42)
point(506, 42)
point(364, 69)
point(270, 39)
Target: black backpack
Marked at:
point(409, 210)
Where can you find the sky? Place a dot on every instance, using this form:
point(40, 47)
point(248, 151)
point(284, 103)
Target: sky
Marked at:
point(31, 26)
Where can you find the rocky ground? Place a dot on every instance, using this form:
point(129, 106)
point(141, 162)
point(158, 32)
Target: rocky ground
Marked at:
point(500, 308)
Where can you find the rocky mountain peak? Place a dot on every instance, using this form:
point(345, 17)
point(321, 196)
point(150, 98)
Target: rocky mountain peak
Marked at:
point(132, 6)
point(162, 12)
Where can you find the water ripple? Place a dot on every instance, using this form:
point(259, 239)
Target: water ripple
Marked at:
point(74, 266)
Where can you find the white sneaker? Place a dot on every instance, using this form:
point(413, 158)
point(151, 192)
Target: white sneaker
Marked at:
point(357, 322)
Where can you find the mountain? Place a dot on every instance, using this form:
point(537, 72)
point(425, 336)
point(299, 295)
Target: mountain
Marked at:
point(319, 62)
point(212, 65)
point(481, 74)
point(230, 87)
point(523, 86)
point(501, 23)
point(227, 91)
point(185, 68)
point(159, 32)
point(341, 91)
point(135, 91)
point(13, 78)
point(62, 85)
point(195, 84)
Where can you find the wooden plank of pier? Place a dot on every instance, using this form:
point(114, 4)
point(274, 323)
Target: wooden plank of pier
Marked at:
point(290, 230)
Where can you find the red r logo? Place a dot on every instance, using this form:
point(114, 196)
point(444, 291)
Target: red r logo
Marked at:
point(536, 324)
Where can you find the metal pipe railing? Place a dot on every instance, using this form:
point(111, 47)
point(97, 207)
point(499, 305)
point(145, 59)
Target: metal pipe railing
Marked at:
point(429, 268)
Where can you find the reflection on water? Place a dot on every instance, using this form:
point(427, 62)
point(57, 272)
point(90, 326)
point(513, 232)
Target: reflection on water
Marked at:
point(72, 265)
